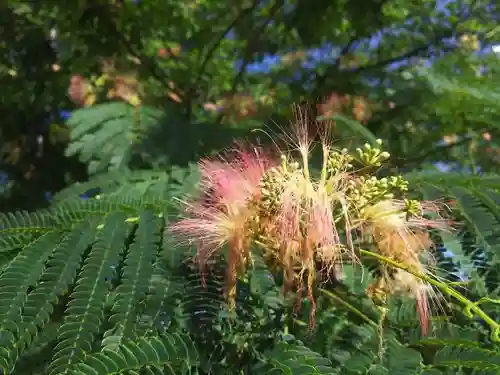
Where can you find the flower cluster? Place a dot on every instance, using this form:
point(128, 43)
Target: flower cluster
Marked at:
point(300, 219)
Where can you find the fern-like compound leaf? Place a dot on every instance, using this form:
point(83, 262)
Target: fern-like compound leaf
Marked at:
point(173, 354)
point(20, 274)
point(469, 357)
point(84, 312)
point(134, 282)
point(17, 229)
point(103, 135)
point(295, 359)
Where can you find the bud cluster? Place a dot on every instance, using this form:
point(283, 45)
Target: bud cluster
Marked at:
point(369, 155)
point(339, 161)
point(271, 185)
point(359, 190)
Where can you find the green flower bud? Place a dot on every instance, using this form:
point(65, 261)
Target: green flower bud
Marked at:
point(385, 155)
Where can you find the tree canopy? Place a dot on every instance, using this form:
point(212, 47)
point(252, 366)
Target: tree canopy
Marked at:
point(136, 238)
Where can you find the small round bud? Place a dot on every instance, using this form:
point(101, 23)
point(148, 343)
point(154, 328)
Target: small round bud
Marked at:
point(379, 142)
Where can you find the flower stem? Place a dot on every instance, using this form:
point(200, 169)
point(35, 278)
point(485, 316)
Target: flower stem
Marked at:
point(349, 307)
point(470, 307)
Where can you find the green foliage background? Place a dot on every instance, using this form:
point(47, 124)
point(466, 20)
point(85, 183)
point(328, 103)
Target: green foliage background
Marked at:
point(95, 286)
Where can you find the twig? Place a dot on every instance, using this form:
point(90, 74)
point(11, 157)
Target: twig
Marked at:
point(210, 53)
point(435, 41)
point(470, 308)
point(149, 63)
point(248, 54)
point(399, 162)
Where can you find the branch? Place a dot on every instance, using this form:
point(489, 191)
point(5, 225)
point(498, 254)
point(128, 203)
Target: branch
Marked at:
point(434, 42)
point(146, 60)
point(412, 53)
point(335, 65)
point(190, 92)
point(249, 52)
point(470, 308)
point(434, 151)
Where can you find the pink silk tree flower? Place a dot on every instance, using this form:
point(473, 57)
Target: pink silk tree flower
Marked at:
point(221, 215)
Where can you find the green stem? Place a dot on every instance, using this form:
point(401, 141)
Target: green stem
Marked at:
point(286, 330)
point(305, 163)
point(349, 307)
point(470, 307)
point(324, 168)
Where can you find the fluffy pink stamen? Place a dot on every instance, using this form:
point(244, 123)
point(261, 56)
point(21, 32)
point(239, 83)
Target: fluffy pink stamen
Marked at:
point(207, 228)
point(423, 312)
point(219, 215)
point(321, 222)
point(234, 177)
point(430, 208)
point(307, 213)
point(289, 217)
